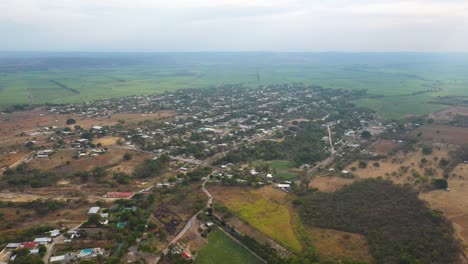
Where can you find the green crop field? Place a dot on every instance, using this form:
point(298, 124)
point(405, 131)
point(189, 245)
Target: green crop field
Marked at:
point(269, 218)
point(222, 249)
point(399, 84)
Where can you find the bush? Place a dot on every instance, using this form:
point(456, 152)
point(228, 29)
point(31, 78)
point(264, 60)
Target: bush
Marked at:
point(427, 150)
point(71, 121)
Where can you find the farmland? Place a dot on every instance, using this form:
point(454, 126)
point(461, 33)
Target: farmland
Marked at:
point(265, 209)
point(399, 85)
point(222, 249)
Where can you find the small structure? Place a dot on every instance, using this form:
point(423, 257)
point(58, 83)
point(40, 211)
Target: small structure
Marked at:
point(94, 210)
point(57, 259)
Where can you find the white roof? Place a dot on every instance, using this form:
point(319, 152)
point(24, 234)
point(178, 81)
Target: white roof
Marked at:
point(97, 127)
point(13, 245)
point(42, 239)
point(94, 210)
point(281, 185)
point(57, 258)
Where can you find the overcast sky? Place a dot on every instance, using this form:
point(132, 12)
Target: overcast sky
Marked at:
point(234, 25)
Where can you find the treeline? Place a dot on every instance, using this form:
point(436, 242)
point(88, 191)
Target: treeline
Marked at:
point(400, 228)
point(22, 176)
point(303, 144)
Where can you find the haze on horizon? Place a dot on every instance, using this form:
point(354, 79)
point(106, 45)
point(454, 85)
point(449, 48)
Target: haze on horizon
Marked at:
point(234, 25)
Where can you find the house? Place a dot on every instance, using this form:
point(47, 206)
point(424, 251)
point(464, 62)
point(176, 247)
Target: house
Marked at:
point(94, 210)
point(43, 240)
point(283, 186)
point(55, 233)
point(29, 245)
point(186, 256)
point(97, 127)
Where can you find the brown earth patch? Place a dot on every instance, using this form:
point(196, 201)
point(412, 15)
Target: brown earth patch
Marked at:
point(329, 183)
point(335, 245)
point(383, 146)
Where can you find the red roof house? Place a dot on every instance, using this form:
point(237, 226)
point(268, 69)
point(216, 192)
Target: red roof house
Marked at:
point(29, 245)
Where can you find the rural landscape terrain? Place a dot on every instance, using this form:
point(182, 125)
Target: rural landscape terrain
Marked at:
point(206, 158)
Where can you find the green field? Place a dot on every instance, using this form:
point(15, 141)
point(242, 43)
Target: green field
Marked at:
point(282, 168)
point(222, 249)
point(401, 84)
point(269, 218)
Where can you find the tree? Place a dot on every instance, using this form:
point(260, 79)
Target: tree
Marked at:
point(440, 184)
point(71, 121)
point(42, 250)
point(94, 219)
point(366, 135)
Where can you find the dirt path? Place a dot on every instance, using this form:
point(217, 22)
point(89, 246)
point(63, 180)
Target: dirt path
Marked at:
point(330, 139)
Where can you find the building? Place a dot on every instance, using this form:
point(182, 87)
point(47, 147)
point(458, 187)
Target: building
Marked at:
point(94, 210)
point(43, 240)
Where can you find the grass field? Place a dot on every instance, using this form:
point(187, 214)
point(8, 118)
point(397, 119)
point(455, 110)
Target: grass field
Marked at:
point(403, 83)
point(221, 249)
point(265, 209)
point(282, 168)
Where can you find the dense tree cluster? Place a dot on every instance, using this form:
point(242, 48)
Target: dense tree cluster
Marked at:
point(400, 228)
point(303, 144)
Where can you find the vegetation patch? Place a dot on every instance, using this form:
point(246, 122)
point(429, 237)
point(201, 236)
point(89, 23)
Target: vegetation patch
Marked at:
point(400, 228)
point(222, 249)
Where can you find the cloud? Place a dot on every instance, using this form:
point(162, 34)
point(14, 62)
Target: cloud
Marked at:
point(234, 24)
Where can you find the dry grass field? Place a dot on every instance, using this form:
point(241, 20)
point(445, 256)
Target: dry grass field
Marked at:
point(383, 146)
point(449, 114)
point(335, 245)
point(404, 167)
point(453, 203)
point(329, 183)
point(444, 134)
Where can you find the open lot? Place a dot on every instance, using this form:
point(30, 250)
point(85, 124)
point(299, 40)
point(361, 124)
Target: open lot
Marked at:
point(221, 249)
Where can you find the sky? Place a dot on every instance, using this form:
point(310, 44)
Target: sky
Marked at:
point(234, 25)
